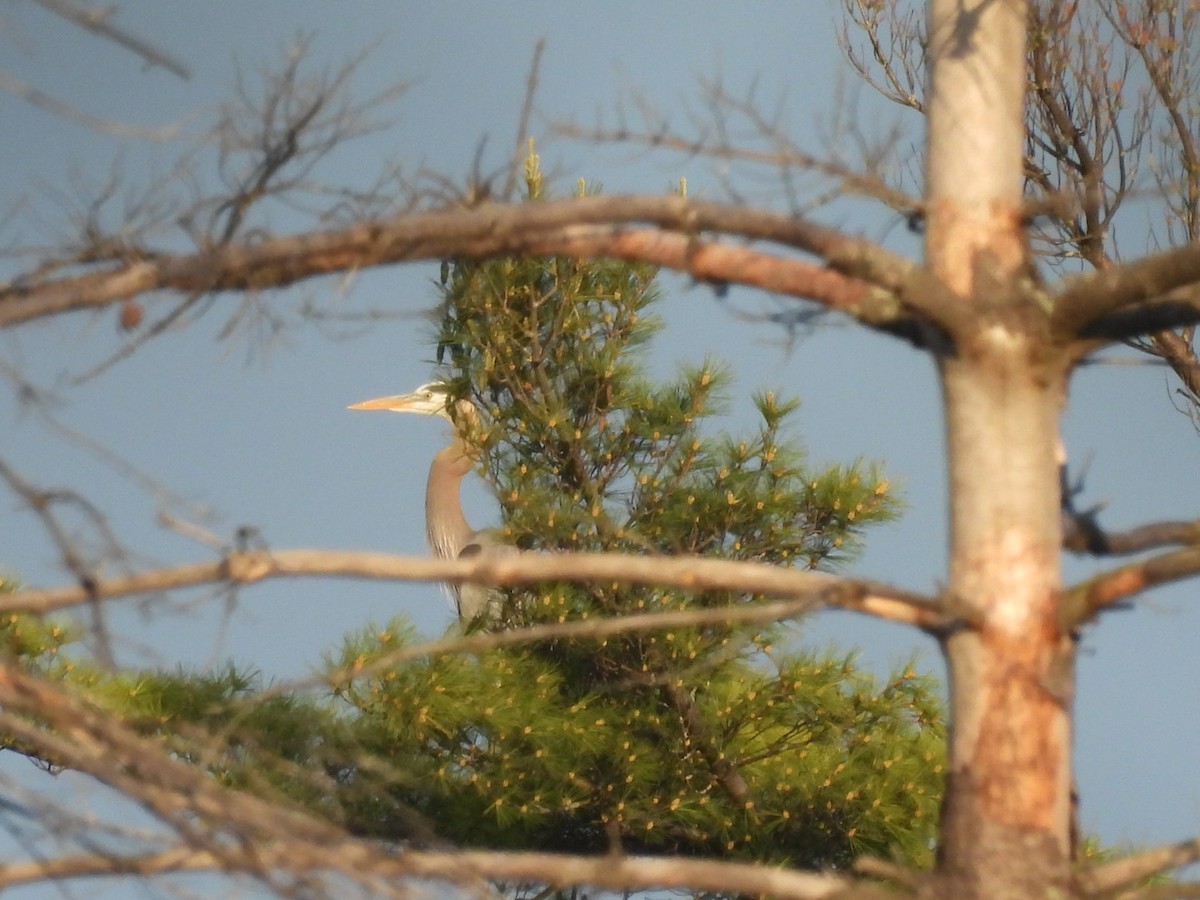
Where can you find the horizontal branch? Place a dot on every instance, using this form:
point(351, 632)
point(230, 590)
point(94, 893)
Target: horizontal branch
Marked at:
point(1146, 318)
point(1115, 294)
point(177, 859)
point(629, 873)
point(618, 873)
point(1086, 599)
point(689, 573)
point(99, 21)
point(497, 229)
point(1083, 534)
point(717, 263)
point(1111, 876)
point(575, 629)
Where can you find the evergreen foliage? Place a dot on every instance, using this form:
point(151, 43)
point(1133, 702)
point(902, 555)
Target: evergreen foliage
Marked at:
point(699, 741)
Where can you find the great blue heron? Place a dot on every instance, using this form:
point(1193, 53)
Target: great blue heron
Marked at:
point(449, 534)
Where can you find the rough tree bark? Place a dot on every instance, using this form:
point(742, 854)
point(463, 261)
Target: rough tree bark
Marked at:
point(1006, 814)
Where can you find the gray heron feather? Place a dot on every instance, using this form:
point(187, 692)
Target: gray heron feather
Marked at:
point(447, 531)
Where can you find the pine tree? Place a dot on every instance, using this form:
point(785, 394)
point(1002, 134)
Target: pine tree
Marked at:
point(700, 741)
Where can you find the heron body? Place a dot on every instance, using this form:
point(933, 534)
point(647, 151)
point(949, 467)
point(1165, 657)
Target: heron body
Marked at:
point(449, 534)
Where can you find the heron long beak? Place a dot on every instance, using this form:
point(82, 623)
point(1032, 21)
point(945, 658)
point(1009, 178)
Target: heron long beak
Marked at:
point(395, 402)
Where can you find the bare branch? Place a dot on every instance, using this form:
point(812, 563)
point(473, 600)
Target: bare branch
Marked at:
point(590, 629)
point(57, 725)
point(712, 262)
point(688, 573)
point(1120, 873)
point(41, 99)
point(1081, 307)
point(849, 180)
point(629, 873)
point(71, 552)
point(1178, 350)
point(1088, 598)
point(1086, 141)
point(538, 229)
point(1083, 534)
point(520, 148)
point(177, 859)
point(897, 40)
point(96, 20)
point(620, 873)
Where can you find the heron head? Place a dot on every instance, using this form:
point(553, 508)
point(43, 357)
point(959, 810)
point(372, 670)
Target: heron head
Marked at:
point(431, 399)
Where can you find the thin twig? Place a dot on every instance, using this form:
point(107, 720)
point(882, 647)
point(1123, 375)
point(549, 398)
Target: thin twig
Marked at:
point(97, 21)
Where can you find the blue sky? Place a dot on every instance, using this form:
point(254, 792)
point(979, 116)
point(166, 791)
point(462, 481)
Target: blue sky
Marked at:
point(257, 433)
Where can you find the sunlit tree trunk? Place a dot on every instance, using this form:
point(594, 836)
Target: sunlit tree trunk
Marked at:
point(1006, 816)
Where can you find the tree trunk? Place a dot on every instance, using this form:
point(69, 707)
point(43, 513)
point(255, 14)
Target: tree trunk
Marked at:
point(1006, 815)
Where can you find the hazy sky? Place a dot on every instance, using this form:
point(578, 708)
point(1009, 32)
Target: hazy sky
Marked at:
point(255, 430)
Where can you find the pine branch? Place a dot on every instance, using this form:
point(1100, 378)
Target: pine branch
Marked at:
point(273, 838)
point(722, 767)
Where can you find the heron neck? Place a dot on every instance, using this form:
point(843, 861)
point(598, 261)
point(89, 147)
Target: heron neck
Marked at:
point(446, 527)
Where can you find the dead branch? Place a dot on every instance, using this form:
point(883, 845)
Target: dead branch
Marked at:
point(1086, 301)
point(54, 723)
point(591, 629)
point(1106, 877)
point(712, 262)
point(614, 873)
point(1155, 319)
point(689, 573)
point(886, 870)
point(1086, 142)
point(851, 181)
point(97, 21)
point(44, 504)
point(496, 229)
point(522, 146)
point(629, 873)
point(1085, 600)
point(177, 859)
point(39, 98)
point(1083, 534)
point(897, 40)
